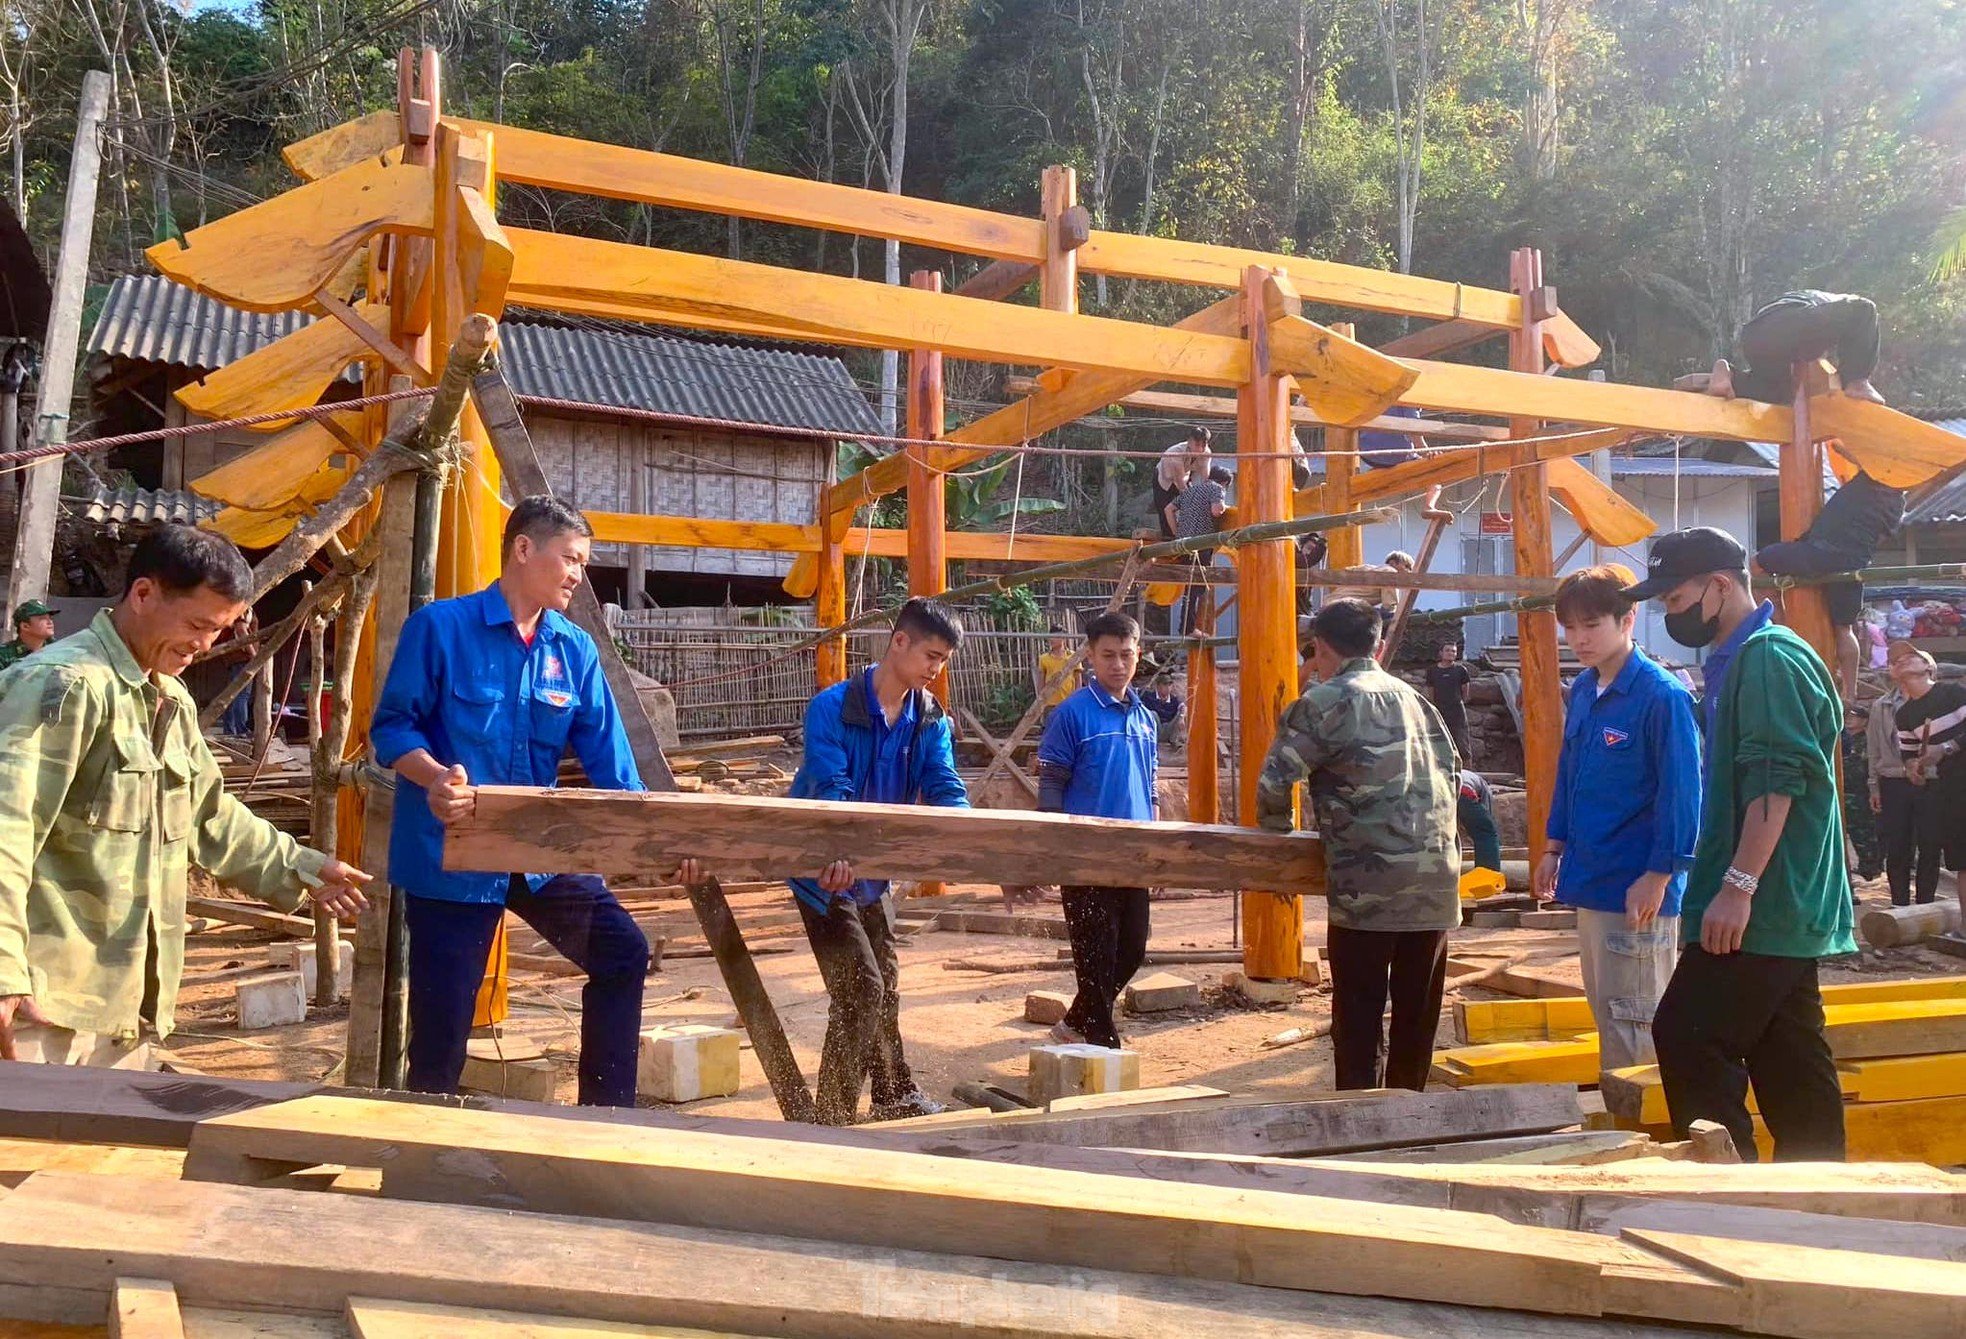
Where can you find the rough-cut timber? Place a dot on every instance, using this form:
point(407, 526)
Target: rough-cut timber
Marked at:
point(748, 836)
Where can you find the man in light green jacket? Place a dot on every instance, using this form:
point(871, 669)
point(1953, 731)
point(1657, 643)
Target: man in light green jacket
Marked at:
point(108, 793)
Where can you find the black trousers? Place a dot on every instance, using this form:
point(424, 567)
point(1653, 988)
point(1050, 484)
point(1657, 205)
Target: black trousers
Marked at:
point(1932, 814)
point(1897, 831)
point(1108, 928)
point(1366, 967)
point(854, 947)
point(1730, 1019)
point(1779, 336)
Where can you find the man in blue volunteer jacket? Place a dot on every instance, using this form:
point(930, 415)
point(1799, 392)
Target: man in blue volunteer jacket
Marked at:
point(1625, 817)
point(1098, 757)
point(491, 689)
point(882, 738)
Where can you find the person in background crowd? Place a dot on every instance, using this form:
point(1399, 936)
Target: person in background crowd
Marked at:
point(1893, 799)
point(1932, 739)
point(1768, 896)
point(1180, 465)
point(34, 628)
point(1051, 663)
point(1448, 679)
point(1865, 852)
point(1475, 814)
point(1844, 537)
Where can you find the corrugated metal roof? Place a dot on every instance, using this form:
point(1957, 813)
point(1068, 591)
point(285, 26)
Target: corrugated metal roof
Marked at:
point(151, 319)
point(130, 505)
point(1624, 467)
point(1948, 505)
point(631, 370)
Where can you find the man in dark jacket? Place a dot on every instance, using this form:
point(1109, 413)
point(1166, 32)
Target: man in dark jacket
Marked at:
point(1768, 894)
point(882, 738)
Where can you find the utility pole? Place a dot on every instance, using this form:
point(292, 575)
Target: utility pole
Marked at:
point(34, 540)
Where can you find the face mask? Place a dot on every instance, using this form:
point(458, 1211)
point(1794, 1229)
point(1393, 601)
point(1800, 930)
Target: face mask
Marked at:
point(1691, 627)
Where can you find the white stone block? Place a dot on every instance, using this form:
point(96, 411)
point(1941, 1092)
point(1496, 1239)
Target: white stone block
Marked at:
point(685, 1061)
point(300, 956)
point(274, 1000)
point(1077, 1068)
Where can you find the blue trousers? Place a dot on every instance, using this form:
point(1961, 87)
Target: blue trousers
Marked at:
point(450, 943)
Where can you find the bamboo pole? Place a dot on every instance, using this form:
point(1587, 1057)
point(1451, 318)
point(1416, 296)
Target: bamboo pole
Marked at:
point(270, 640)
point(333, 741)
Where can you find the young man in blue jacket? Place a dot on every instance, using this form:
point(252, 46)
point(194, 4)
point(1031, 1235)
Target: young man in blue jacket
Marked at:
point(1625, 816)
point(882, 738)
point(1098, 758)
point(491, 689)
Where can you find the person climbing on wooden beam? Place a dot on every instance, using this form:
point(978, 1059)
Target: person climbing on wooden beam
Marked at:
point(1382, 448)
point(1798, 327)
point(490, 689)
point(1768, 894)
point(1183, 463)
point(1384, 784)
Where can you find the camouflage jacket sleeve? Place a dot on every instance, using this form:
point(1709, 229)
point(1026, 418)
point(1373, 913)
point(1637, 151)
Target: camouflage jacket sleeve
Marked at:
point(45, 723)
point(237, 846)
point(1296, 753)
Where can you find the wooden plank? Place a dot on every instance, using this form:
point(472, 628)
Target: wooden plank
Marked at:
point(1343, 380)
point(1223, 406)
point(1574, 1148)
point(907, 1200)
point(1904, 1078)
point(766, 837)
point(580, 274)
point(234, 1323)
point(371, 1318)
point(144, 1309)
point(1892, 446)
point(1519, 1062)
point(1339, 1124)
point(255, 917)
point(1612, 1215)
point(276, 255)
point(292, 372)
point(1569, 1016)
point(123, 1107)
point(344, 145)
point(282, 469)
point(1826, 1294)
point(306, 1252)
point(1602, 512)
point(21, 1158)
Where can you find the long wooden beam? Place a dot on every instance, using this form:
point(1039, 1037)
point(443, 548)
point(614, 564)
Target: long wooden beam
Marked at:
point(1223, 406)
point(783, 537)
point(754, 836)
point(1452, 467)
point(578, 273)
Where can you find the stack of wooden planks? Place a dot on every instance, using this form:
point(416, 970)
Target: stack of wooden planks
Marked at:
point(1901, 1047)
point(504, 1221)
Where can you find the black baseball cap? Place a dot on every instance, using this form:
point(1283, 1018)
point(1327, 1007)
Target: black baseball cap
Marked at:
point(1685, 554)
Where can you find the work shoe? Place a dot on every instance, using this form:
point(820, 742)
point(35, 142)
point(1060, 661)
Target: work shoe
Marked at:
point(915, 1103)
point(1066, 1034)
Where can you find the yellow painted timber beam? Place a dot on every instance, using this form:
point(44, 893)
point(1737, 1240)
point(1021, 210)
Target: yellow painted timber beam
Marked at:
point(275, 255)
point(1452, 467)
point(1223, 406)
point(1601, 512)
point(292, 372)
point(1519, 1062)
point(1565, 1017)
point(1340, 378)
point(262, 529)
point(558, 162)
point(1893, 447)
point(554, 270)
point(1905, 1078)
point(281, 469)
point(780, 537)
point(1461, 388)
point(344, 145)
point(1072, 398)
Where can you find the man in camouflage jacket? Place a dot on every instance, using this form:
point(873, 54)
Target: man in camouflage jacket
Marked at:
point(1383, 786)
point(108, 793)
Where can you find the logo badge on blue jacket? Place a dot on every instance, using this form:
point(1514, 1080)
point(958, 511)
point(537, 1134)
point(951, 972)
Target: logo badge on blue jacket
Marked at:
point(1615, 738)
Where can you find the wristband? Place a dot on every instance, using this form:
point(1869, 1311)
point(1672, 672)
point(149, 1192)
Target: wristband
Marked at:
point(1741, 879)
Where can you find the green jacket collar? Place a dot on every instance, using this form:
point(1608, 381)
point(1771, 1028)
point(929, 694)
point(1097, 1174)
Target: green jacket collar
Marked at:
point(116, 651)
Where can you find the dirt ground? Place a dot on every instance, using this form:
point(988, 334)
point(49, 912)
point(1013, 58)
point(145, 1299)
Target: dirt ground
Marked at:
point(958, 1024)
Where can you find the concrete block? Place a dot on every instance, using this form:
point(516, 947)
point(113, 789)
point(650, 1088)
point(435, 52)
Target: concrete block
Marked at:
point(299, 956)
point(1265, 992)
point(1046, 1006)
point(274, 1000)
point(1076, 1069)
point(1565, 919)
point(521, 1080)
point(685, 1061)
point(1159, 992)
point(1312, 973)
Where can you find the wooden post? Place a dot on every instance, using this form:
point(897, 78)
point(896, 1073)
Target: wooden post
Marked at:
point(1347, 546)
point(1529, 499)
point(829, 605)
point(636, 594)
point(1266, 623)
point(263, 705)
point(1805, 608)
point(1204, 774)
point(928, 517)
point(1058, 274)
point(34, 539)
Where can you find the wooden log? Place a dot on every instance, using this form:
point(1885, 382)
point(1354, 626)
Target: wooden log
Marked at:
point(899, 1199)
point(1890, 927)
point(767, 837)
point(224, 1246)
point(255, 917)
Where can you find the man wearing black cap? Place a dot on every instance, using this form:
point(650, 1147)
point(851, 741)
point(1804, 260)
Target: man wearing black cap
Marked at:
point(1768, 894)
point(34, 628)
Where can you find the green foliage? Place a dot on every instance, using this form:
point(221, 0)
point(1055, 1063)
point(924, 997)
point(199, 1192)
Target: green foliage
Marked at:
point(1014, 610)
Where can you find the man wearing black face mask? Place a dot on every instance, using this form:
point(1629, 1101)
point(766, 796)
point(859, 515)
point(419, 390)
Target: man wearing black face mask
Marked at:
point(1768, 894)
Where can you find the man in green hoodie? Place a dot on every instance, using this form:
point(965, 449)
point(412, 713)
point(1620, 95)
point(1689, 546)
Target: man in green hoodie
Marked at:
point(1768, 894)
